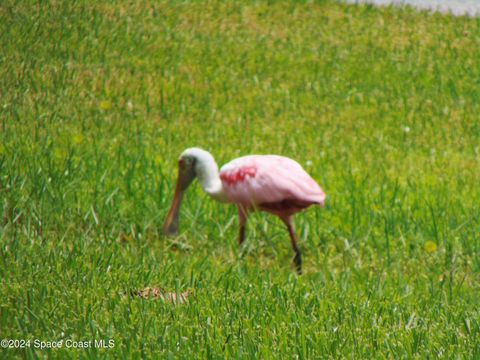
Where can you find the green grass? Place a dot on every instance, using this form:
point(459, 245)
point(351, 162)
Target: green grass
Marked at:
point(97, 101)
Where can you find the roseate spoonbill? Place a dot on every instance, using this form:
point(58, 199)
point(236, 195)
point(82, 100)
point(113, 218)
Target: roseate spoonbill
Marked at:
point(270, 183)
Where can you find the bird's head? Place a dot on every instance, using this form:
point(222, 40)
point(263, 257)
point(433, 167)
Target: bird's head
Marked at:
point(189, 167)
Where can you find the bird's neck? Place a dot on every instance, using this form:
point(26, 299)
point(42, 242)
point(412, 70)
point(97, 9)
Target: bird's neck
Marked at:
point(208, 176)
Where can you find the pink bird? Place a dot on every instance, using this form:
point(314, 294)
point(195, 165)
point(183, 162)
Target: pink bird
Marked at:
point(270, 183)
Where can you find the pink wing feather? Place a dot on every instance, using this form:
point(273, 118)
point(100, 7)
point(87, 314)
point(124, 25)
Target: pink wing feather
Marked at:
point(268, 179)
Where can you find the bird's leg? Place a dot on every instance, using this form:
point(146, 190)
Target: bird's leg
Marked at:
point(298, 257)
point(242, 221)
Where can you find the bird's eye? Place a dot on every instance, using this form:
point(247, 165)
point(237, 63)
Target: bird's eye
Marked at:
point(188, 161)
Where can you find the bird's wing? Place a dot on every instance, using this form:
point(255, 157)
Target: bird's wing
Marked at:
point(262, 179)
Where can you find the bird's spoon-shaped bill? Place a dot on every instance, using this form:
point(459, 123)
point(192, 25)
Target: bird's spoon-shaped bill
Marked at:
point(170, 226)
point(186, 174)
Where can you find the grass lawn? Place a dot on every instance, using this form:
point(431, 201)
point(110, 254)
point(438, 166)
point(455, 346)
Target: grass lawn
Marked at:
point(380, 105)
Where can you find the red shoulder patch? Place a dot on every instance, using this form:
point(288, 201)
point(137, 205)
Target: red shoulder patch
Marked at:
point(238, 175)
